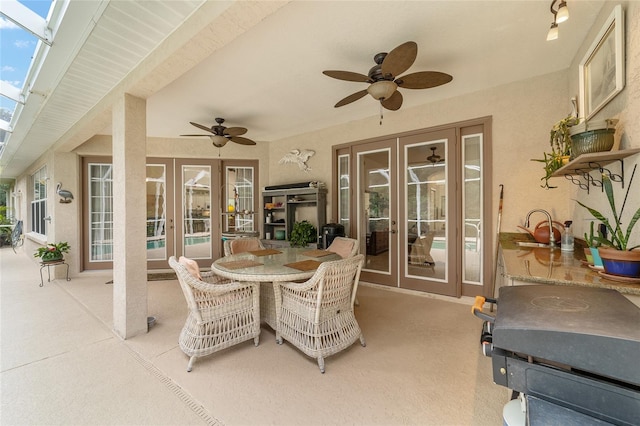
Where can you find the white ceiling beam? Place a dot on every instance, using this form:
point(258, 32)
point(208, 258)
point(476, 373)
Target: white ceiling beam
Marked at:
point(5, 125)
point(10, 91)
point(26, 18)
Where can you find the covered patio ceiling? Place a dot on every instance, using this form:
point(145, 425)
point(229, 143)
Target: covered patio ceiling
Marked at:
point(259, 64)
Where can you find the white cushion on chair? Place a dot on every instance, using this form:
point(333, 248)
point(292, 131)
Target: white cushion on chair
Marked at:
point(191, 266)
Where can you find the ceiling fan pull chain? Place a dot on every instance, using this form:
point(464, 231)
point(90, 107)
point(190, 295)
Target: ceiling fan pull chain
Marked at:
point(381, 117)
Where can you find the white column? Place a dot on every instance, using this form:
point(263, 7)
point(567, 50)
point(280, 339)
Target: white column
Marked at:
point(129, 217)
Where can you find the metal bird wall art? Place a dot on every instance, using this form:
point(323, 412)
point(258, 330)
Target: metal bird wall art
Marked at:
point(67, 196)
point(299, 157)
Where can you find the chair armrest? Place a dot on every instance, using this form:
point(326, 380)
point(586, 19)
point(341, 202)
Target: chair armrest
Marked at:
point(221, 288)
point(213, 278)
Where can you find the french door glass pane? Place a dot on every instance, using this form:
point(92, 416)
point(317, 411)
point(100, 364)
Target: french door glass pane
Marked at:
point(156, 212)
point(196, 211)
point(472, 207)
point(374, 186)
point(100, 212)
point(239, 199)
point(344, 199)
point(426, 216)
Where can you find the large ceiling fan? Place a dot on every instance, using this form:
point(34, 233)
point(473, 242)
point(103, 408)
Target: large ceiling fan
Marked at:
point(220, 134)
point(384, 79)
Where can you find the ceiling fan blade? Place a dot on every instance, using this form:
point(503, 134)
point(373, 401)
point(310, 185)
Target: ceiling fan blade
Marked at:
point(202, 136)
point(394, 102)
point(423, 80)
point(351, 98)
point(235, 131)
point(347, 76)
point(241, 140)
point(400, 59)
point(200, 126)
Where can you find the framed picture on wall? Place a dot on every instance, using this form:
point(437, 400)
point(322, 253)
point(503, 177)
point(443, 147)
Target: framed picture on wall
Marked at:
point(601, 72)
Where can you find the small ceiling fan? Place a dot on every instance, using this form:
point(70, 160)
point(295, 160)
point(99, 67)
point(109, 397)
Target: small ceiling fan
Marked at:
point(220, 134)
point(384, 79)
point(434, 158)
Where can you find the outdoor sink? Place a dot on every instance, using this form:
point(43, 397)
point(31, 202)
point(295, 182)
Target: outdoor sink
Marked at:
point(532, 244)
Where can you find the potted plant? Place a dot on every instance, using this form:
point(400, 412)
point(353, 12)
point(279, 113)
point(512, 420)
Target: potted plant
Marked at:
point(588, 137)
point(617, 257)
point(302, 234)
point(560, 142)
point(560, 137)
point(52, 252)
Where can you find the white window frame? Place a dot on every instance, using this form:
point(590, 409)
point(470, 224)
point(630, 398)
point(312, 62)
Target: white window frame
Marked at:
point(39, 189)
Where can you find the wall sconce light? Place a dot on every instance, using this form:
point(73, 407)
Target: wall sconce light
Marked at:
point(559, 15)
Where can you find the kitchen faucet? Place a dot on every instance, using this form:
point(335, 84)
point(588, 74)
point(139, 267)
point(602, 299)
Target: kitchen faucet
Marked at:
point(552, 240)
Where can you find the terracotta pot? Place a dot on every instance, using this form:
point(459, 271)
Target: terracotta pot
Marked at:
point(620, 262)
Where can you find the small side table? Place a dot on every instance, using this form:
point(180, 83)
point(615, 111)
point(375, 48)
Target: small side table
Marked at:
point(50, 264)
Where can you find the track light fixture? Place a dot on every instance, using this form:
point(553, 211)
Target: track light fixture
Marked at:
point(553, 31)
point(559, 15)
point(563, 12)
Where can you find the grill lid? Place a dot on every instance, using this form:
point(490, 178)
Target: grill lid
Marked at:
point(592, 329)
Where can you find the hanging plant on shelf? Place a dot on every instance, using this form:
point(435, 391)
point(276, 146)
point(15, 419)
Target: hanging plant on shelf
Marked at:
point(560, 142)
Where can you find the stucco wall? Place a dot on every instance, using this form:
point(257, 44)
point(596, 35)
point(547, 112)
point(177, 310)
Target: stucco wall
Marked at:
point(625, 107)
point(523, 113)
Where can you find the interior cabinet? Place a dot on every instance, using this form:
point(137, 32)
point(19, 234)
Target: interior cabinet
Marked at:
point(283, 207)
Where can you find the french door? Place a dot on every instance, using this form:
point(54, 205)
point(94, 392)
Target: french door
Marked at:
point(416, 205)
point(376, 210)
point(430, 212)
point(183, 208)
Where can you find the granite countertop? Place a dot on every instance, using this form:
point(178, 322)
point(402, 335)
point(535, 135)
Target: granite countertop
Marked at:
point(547, 266)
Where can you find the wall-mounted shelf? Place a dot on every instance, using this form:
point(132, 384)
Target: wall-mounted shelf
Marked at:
point(577, 171)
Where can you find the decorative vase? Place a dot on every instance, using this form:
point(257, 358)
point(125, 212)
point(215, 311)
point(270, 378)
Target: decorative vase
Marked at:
point(592, 137)
point(624, 263)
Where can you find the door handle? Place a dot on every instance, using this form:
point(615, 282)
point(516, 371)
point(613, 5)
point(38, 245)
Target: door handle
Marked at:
point(393, 231)
point(170, 223)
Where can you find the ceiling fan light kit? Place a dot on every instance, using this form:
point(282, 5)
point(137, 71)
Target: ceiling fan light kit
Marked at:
point(384, 78)
point(560, 15)
point(220, 134)
point(381, 90)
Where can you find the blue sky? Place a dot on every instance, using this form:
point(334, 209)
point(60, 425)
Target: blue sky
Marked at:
point(16, 49)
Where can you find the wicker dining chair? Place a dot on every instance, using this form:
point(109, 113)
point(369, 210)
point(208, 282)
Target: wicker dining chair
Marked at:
point(345, 247)
point(267, 302)
point(241, 245)
point(221, 313)
point(317, 316)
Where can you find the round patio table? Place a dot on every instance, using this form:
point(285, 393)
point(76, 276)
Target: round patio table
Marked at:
point(268, 267)
point(272, 264)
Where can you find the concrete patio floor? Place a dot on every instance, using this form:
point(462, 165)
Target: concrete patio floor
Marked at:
point(61, 363)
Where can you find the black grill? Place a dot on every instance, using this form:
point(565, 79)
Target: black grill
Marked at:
point(573, 351)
